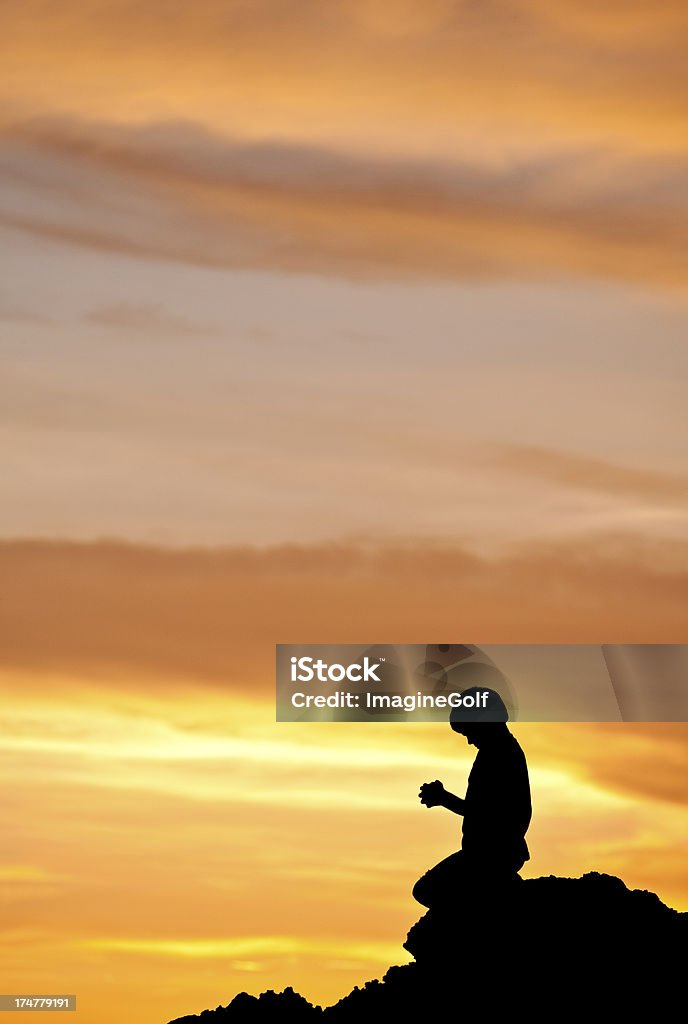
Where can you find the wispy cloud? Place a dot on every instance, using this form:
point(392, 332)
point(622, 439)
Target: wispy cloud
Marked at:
point(170, 614)
point(593, 474)
point(25, 873)
point(179, 191)
point(252, 946)
point(509, 68)
point(145, 318)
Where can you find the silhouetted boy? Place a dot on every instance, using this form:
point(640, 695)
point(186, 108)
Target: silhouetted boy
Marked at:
point(496, 810)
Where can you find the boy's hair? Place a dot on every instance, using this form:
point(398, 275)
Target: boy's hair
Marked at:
point(495, 709)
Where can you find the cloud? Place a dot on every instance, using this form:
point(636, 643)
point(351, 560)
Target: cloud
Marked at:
point(179, 191)
point(583, 472)
point(18, 314)
point(393, 35)
point(615, 24)
point(253, 945)
point(214, 615)
point(644, 759)
point(145, 317)
point(25, 873)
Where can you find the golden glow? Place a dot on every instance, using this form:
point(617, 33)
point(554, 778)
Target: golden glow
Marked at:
point(181, 824)
point(268, 945)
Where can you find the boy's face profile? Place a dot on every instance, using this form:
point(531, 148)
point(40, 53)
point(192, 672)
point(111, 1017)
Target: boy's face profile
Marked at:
point(471, 732)
point(477, 733)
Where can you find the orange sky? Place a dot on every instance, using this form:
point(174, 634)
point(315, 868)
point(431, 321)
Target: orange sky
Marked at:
point(330, 323)
point(167, 841)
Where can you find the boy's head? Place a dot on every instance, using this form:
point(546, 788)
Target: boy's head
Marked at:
point(484, 719)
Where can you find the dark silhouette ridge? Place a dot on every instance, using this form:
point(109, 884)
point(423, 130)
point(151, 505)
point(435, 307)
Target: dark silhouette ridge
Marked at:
point(548, 948)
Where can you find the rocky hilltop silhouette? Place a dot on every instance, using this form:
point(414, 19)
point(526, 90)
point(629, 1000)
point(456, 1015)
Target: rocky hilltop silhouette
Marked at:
point(547, 947)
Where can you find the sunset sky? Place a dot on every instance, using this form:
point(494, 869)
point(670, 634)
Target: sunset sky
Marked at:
point(321, 322)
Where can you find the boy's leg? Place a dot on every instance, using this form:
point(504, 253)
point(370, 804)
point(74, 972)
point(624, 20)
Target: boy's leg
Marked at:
point(440, 884)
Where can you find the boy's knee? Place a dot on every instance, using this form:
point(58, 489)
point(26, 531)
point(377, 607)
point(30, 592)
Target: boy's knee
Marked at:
point(421, 891)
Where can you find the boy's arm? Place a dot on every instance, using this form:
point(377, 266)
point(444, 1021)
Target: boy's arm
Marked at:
point(453, 803)
point(433, 794)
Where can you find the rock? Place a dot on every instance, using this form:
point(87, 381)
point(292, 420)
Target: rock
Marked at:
point(287, 1006)
point(548, 947)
